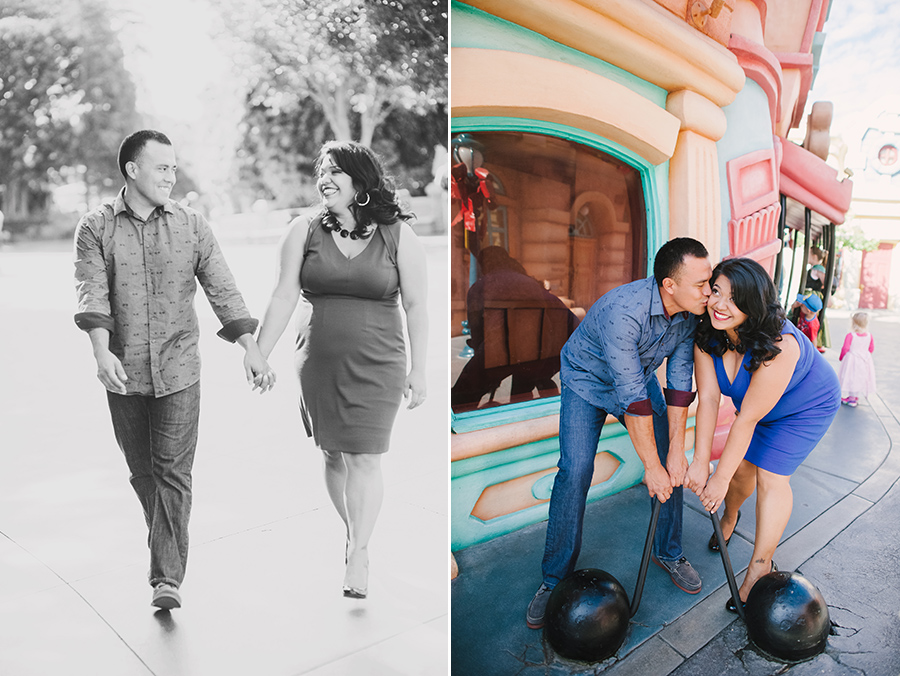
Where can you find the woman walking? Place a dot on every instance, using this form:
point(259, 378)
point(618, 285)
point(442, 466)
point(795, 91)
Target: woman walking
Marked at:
point(352, 260)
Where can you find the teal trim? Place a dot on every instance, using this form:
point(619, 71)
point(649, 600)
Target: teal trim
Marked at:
point(472, 476)
point(502, 415)
point(476, 29)
point(654, 181)
point(536, 457)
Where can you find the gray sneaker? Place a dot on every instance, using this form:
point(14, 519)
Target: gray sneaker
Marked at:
point(534, 618)
point(682, 573)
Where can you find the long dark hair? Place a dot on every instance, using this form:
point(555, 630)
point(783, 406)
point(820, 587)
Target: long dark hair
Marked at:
point(376, 200)
point(753, 292)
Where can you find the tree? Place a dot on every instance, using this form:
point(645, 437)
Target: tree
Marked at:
point(342, 69)
point(357, 60)
point(37, 91)
point(65, 98)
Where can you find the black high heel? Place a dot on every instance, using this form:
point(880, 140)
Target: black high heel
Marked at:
point(713, 543)
point(729, 604)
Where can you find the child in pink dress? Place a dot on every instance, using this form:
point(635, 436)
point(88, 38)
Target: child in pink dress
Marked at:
point(857, 372)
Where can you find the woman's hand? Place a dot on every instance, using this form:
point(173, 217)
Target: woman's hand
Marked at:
point(259, 374)
point(714, 494)
point(414, 389)
point(697, 476)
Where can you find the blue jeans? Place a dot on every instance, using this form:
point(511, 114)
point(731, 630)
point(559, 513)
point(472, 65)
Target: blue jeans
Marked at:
point(158, 437)
point(580, 425)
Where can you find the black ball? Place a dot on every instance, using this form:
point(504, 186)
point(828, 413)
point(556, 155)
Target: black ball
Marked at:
point(587, 616)
point(787, 617)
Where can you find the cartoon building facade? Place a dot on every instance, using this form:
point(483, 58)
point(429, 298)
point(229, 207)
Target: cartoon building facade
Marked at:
point(587, 134)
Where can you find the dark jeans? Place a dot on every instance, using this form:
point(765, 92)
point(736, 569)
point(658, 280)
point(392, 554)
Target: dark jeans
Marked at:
point(158, 437)
point(580, 425)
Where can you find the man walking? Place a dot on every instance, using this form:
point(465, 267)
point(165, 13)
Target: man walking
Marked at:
point(136, 261)
point(608, 366)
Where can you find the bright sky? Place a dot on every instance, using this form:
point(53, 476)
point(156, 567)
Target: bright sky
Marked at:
point(860, 65)
point(170, 51)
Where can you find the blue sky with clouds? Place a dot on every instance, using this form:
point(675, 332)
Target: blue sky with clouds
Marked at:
point(860, 64)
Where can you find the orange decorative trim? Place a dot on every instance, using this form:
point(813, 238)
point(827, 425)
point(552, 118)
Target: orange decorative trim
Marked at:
point(818, 10)
point(516, 494)
point(812, 182)
point(803, 63)
point(752, 182)
point(750, 233)
point(761, 66)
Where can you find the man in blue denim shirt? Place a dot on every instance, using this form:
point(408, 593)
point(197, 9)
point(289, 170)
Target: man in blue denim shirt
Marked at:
point(609, 367)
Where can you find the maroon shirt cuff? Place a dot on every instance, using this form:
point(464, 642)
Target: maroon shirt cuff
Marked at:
point(679, 398)
point(94, 320)
point(237, 328)
point(642, 407)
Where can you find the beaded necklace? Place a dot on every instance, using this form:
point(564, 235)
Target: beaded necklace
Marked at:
point(330, 223)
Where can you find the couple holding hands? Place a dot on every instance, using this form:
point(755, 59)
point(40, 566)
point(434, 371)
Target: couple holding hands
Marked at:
point(726, 325)
point(356, 261)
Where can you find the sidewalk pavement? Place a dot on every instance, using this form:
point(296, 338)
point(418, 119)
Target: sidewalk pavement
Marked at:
point(842, 536)
point(262, 594)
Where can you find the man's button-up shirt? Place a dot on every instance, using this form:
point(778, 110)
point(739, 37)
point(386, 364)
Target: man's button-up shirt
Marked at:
point(137, 279)
point(611, 359)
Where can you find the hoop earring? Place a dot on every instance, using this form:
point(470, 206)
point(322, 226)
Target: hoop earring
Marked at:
point(363, 204)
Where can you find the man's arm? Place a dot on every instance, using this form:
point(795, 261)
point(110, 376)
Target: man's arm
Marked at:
point(93, 316)
point(679, 395)
point(109, 368)
point(676, 460)
point(219, 286)
point(640, 430)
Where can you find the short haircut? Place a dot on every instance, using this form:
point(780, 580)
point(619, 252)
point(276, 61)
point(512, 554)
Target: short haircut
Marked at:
point(670, 257)
point(134, 143)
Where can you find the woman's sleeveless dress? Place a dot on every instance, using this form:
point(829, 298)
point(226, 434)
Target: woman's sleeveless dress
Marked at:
point(791, 430)
point(351, 358)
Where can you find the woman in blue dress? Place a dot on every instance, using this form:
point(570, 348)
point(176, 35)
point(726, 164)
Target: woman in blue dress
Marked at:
point(786, 396)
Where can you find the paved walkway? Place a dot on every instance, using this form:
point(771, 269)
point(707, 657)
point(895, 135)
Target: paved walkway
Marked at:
point(842, 536)
point(262, 594)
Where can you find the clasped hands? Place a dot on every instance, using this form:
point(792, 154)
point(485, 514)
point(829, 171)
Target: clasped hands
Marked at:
point(695, 477)
point(260, 375)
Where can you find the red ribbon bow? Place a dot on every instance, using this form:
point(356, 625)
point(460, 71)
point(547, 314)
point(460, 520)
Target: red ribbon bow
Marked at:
point(473, 192)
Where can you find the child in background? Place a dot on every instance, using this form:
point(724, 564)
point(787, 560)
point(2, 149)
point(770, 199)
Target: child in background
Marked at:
point(808, 318)
point(857, 372)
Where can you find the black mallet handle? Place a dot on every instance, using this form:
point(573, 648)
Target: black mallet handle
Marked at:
point(645, 559)
point(726, 562)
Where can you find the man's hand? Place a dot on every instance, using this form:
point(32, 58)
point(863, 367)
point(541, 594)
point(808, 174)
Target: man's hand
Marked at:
point(259, 375)
point(697, 476)
point(677, 466)
point(110, 371)
point(658, 482)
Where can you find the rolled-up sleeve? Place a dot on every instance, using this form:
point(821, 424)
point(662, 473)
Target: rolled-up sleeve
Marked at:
point(91, 279)
point(220, 288)
point(619, 336)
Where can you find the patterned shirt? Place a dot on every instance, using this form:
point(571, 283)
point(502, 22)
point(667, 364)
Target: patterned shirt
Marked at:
point(137, 279)
point(611, 359)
